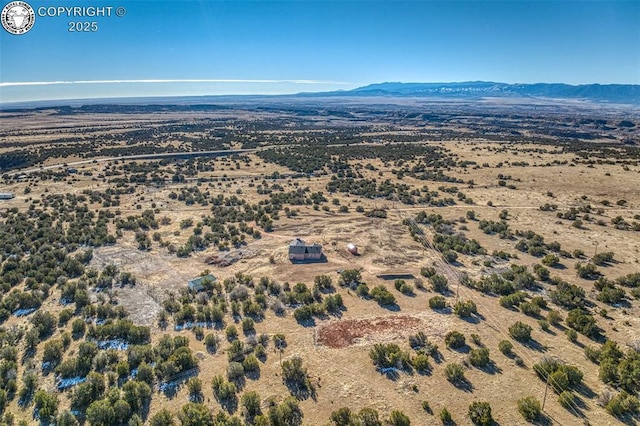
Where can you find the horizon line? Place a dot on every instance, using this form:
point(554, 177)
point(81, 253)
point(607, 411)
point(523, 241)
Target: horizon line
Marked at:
point(162, 81)
point(276, 81)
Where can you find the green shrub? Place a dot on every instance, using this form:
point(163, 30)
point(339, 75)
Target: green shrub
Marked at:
point(520, 331)
point(479, 357)
point(454, 339)
point(539, 302)
point(362, 290)
point(381, 295)
point(510, 300)
point(554, 317)
point(529, 309)
point(476, 339)
point(506, 347)
point(437, 302)
point(550, 260)
point(567, 399)
point(403, 287)
point(427, 271)
point(587, 271)
point(567, 295)
point(623, 404)
point(235, 370)
point(465, 309)
point(445, 416)
point(454, 372)
point(398, 418)
point(211, 342)
point(480, 413)
point(544, 325)
point(542, 272)
point(389, 356)
point(421, 363)
point(583, 322)
point(560, 376)
point(439, 283)
point(529, 407)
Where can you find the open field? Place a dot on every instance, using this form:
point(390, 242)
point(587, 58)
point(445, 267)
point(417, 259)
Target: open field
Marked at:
point(540, 205)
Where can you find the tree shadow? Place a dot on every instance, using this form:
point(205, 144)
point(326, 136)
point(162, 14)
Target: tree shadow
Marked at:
point(390, 373)
point(393, 307)
point(543, 420)
point(535, 345)
point(162, 324)
point(462, 349)
point(307, 323)
point(239, 381)
point(474, 319)
point(425, 372)
point(579, 344)
point(301, 391)
point(170, 391)
point(336, 313)
point(229, 404)
point(630, 419)
point(256, 317)
point(624, 303)
point(560, 327)
point(196, 397)
point(463, 384)
point(579, 405)
point(27, 355)
point(253, 375)
point(47, 368)
point(586, 391)
point(438, 358)
point(491, 368)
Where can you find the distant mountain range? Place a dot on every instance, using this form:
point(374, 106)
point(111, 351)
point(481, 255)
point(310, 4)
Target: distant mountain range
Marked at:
point(617, 93)
point(626, 94)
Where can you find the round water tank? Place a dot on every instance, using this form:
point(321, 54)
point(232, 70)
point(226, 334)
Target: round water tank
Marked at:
point(351, 248)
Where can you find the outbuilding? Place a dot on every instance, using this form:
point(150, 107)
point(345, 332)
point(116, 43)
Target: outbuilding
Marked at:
point(198, 283)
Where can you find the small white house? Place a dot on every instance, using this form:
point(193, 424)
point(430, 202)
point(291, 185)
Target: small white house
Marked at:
point(6, 195)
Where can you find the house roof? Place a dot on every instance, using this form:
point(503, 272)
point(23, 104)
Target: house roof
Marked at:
point(316, 248)
point(197, 282)
point(298, 246)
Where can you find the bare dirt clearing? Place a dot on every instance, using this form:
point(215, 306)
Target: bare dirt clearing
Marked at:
point(365, 331)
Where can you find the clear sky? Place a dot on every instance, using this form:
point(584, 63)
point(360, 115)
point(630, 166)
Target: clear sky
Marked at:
point(243, 46)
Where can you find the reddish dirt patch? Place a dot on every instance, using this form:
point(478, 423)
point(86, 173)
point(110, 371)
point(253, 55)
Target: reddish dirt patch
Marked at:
point(345, 333)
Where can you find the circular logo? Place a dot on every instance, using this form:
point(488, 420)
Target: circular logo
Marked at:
point(18, 17)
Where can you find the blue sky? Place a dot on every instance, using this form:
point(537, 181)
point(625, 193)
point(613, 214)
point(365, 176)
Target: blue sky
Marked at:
point(273, 46)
